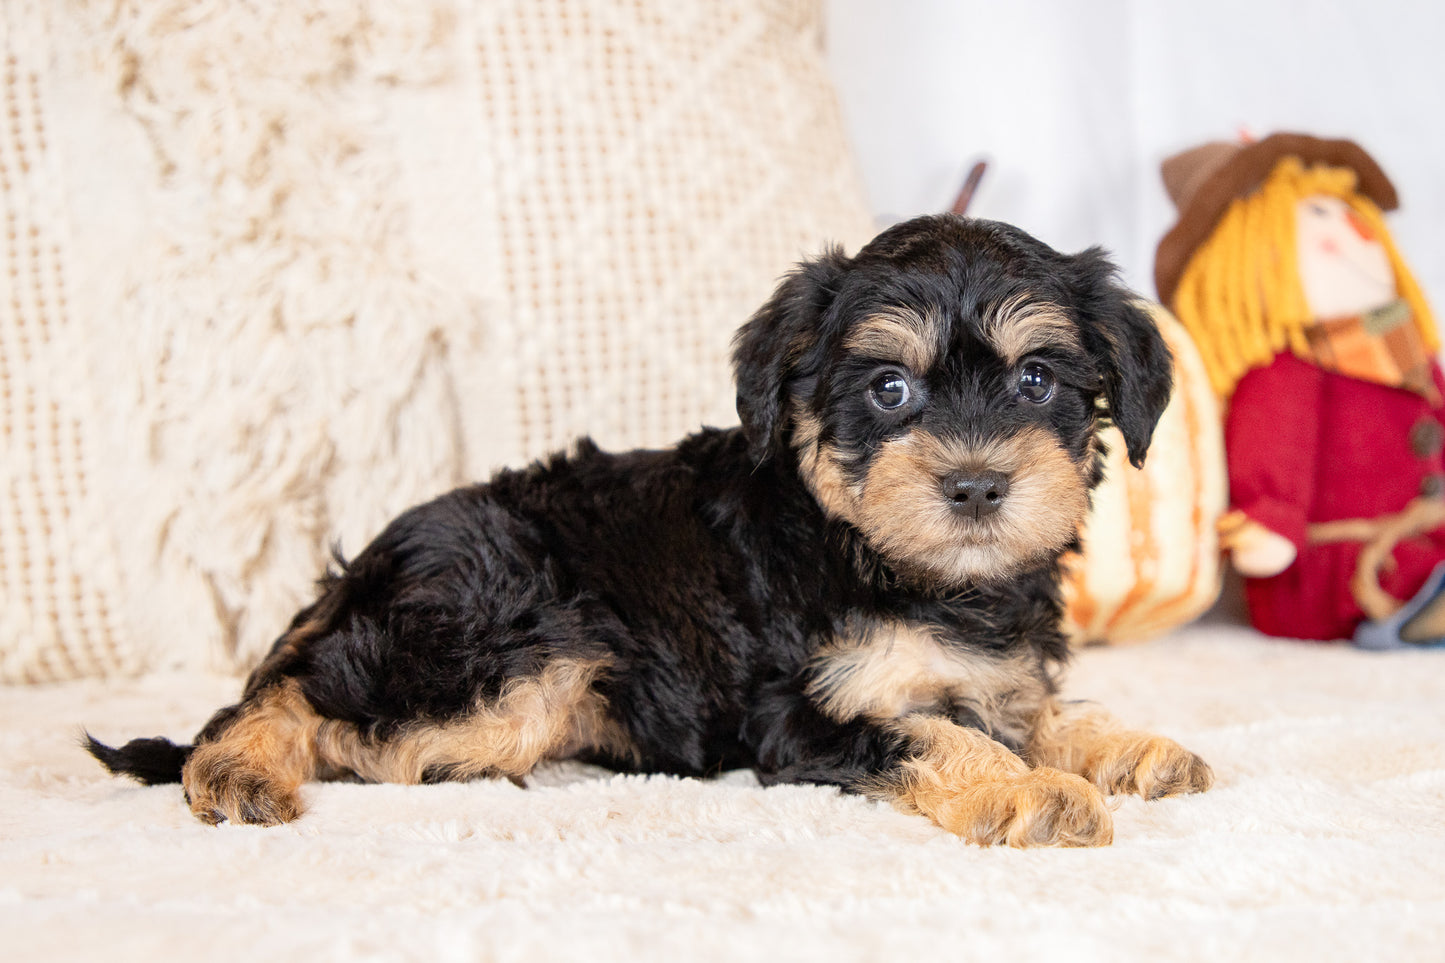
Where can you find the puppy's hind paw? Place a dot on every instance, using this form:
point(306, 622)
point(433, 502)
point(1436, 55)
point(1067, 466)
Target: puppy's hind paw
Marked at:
point(234, 794)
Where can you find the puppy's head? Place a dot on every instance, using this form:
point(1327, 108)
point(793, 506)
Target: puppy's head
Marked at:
point(941, 391)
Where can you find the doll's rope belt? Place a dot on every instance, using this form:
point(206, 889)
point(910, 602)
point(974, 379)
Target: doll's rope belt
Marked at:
point(1380, 536)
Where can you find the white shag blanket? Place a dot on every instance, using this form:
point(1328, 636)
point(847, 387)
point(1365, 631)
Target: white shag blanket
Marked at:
point(1323, 839)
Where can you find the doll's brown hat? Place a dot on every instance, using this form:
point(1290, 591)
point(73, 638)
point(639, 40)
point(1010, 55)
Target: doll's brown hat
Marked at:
point(1203, 180)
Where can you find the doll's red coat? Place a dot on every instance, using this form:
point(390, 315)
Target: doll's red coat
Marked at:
point(1307, 445)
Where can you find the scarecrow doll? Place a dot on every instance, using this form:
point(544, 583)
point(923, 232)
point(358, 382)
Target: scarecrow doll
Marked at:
point(1322, 348)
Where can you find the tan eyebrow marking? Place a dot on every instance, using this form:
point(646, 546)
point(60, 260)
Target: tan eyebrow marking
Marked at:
point(1021, 326)
point(900, 334)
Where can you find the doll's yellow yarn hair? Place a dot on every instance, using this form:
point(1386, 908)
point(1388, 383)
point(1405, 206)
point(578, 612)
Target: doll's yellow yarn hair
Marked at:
point(1240, 296)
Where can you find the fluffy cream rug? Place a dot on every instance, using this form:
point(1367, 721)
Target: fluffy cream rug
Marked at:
point(1323, 839)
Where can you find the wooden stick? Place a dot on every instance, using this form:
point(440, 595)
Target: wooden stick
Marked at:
point(965, 194)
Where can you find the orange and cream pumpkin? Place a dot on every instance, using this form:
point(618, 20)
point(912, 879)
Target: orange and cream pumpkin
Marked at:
point(1151, 554)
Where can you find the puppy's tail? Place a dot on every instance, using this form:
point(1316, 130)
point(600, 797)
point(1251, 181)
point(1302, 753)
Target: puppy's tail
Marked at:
point(152, 761)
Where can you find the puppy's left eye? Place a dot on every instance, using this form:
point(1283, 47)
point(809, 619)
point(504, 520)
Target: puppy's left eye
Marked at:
point(1036, 383)
point(890, 390)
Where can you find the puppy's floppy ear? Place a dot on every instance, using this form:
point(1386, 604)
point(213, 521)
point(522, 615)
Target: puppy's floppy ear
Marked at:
point(778, 346)
point(1137, 368)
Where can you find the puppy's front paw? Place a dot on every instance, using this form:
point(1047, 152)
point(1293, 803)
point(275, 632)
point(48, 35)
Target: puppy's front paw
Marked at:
point(220, 791)
point(1042, 807)
point(1152, 766)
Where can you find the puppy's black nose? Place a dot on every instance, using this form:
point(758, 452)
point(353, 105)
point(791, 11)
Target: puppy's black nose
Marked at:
point(976, 493)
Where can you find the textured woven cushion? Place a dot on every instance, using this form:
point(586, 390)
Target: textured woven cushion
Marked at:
point(274, 272)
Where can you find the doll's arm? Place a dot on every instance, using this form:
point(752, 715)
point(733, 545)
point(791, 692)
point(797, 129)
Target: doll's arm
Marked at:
point(1272, 442)
point(1256, 551)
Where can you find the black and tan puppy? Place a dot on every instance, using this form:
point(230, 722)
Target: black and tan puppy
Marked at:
point(858, 587)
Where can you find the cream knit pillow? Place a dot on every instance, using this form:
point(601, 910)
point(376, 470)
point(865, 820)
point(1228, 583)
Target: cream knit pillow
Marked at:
point(274, 272)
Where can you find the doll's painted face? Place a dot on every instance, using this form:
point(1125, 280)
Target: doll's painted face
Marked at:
point(1343, 267)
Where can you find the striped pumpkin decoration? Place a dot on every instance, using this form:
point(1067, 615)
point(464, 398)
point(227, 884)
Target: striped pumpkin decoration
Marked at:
point(1151, 560)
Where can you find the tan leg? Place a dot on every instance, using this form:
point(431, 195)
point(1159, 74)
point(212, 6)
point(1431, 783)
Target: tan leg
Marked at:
point(1080, 737)
point(550, 716)
point(252, 770)
point(975, 787)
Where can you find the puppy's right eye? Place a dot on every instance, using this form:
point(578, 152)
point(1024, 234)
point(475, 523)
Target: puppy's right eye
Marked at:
point(889, 390)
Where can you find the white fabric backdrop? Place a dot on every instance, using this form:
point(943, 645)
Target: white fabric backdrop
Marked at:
point(1075, 104)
